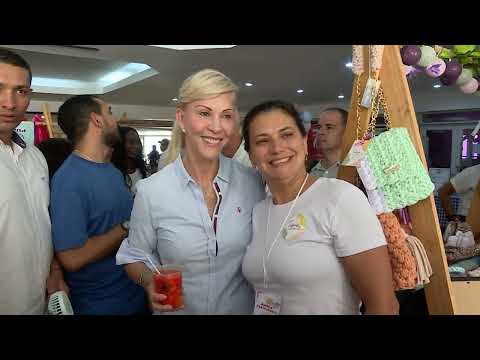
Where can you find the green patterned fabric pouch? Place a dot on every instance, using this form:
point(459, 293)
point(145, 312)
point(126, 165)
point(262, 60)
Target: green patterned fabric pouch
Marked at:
point(394, 163)
point(398, 170)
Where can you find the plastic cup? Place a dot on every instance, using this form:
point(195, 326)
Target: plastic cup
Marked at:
point(169, 283)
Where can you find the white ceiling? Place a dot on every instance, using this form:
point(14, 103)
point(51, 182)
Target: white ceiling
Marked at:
point(276, 71)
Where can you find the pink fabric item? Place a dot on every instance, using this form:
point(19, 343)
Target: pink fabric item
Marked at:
point(41, 131)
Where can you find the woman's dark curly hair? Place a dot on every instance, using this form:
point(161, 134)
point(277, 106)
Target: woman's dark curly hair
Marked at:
point(119, 156)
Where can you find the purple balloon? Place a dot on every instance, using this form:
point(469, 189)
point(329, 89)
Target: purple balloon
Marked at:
point(447, 81)
point(452, 72)
point(436, 69)
point(411, 71)
point(411, 54)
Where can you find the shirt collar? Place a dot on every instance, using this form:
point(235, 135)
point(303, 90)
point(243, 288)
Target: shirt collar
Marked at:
point(320, 165)
point(16, 139)
point(224, 171)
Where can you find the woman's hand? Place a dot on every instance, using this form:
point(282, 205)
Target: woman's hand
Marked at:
point(155, 299)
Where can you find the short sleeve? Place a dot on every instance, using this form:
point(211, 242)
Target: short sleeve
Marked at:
point(354, 224)
point(69, 219)
point(466, 180)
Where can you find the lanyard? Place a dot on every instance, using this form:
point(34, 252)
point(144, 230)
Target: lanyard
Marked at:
point(265, 259)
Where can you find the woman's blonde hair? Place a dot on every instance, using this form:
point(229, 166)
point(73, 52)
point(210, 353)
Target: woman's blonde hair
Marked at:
point(201, 85)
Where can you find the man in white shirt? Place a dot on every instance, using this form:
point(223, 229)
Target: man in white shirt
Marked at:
point(163, 146)
point(235, 148)
point(331, 126)
point(28, 270)
point(465, 184)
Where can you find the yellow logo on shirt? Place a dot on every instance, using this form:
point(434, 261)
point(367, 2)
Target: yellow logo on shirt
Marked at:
point(295, 227)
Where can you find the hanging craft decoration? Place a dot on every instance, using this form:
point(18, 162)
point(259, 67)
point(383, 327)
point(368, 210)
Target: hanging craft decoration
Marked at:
point(390, 170)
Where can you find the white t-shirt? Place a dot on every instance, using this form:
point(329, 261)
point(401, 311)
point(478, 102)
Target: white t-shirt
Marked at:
point(25, 232)
point(135, 177)
point(465, 184)
point(242, 156)
point(306, 272)
point(161, 161)
point(319, 171)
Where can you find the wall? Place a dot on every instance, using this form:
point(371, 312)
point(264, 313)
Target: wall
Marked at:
point(137, 112)
point(444, 99)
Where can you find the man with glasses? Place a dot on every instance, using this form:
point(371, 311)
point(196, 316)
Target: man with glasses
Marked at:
point(28, 270)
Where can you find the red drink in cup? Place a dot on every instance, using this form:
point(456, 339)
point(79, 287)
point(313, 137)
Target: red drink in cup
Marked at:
point(169, 282)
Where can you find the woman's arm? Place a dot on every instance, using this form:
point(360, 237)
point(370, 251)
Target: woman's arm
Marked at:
point(371, 276)
point(444, 194)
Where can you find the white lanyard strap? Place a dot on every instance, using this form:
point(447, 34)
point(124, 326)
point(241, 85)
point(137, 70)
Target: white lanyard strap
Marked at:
point(265, 259)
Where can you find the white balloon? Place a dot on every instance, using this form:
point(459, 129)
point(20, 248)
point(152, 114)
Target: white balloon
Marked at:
point(465, 76)
point(470, 87)
point(428, 56)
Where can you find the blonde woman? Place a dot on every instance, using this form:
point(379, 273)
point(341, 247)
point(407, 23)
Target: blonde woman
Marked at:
point(196, 212)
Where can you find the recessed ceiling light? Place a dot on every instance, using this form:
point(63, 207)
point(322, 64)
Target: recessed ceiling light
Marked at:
point(174, 99)
point(248, 84)
point(436, 86)
point(349, 65)
point(299, 91)
point(341, 96)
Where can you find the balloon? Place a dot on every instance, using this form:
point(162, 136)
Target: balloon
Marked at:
point(470, 87)
point(411, 71)
point(436, 68)
point(465, 76)
point(428, 56)
point(452, 72)
point(411, 54)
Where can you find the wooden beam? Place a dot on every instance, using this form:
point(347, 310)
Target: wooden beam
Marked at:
point(438, 292)
point(48, 119)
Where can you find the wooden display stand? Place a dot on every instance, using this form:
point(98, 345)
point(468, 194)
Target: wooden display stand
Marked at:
point(441, 296)
point(48, 119)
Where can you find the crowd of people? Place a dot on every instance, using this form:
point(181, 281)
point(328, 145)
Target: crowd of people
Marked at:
point(229, 199)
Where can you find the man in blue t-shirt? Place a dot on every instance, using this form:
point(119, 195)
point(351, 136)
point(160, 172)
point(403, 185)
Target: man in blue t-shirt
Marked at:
point(90, 208)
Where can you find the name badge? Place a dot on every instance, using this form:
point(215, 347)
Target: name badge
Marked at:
point(267, 303)
point(294, 228)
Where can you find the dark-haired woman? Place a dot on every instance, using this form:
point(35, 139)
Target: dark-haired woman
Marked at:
point(317, 246)
point(127, 157)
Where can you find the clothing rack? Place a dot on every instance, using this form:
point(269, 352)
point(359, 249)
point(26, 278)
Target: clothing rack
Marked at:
point(442, 297)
